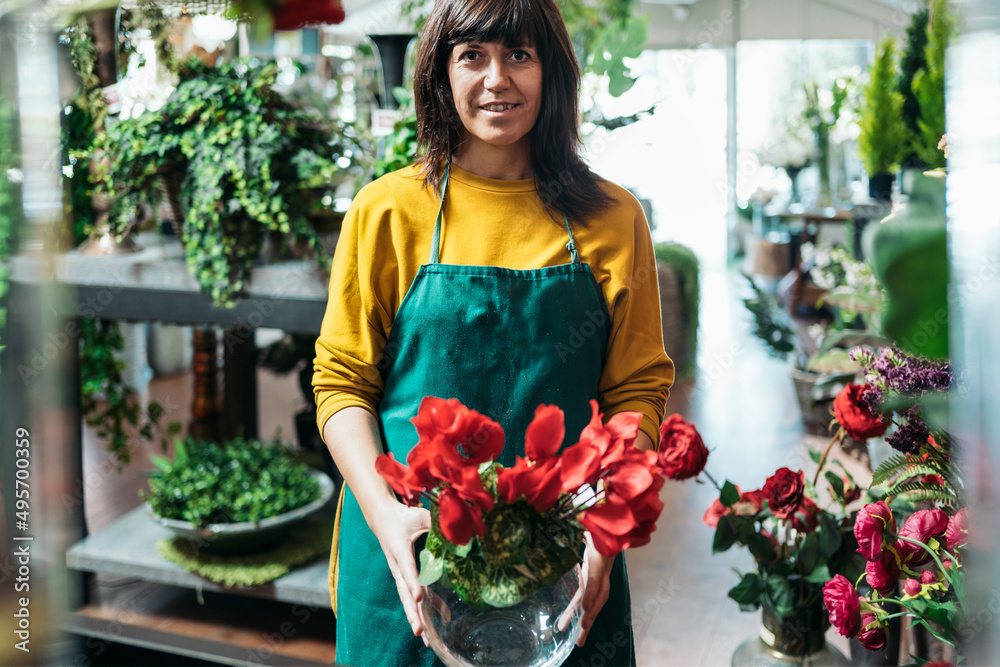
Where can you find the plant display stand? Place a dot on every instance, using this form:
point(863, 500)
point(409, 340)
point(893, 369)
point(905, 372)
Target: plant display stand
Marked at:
point(159, 605)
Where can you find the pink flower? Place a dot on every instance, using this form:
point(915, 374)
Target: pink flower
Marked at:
point(882, 574)
point(843, 603)
point(912, 587)
point(928, 577)
point(872, 635)
point(958, 529)
point(922, 525)
point(872, 523)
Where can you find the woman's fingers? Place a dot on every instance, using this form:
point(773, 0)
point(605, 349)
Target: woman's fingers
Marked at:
point(596, 582)
point(397, 537)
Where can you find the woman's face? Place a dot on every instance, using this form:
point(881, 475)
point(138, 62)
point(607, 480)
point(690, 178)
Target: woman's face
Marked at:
point(497, 91)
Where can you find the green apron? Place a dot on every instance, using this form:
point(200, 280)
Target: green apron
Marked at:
point(502, 341)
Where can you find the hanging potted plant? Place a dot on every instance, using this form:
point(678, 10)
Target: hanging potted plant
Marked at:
point(883, 136)
point(237, 159)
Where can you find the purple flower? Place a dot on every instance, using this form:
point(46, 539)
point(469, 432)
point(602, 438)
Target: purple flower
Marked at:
point(912, 435)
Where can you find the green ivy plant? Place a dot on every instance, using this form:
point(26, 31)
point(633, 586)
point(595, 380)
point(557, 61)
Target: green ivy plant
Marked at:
point(231, 482)
point(401, 146)
point(883, 136)
point(243, 156)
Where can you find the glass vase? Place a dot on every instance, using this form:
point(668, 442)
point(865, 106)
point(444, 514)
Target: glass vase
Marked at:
point(797, 638)
point(539, 631)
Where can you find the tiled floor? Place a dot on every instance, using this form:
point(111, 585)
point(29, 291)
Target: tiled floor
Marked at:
point(742, 402)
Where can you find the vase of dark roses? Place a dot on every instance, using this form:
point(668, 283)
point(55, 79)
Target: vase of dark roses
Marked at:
point(501, 565)
point(796, 545)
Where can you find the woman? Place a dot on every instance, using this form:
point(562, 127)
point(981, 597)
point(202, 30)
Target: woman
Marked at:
point(499, 271)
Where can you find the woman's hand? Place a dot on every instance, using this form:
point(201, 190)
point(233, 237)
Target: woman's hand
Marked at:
point(397, 527)
point(596, 586)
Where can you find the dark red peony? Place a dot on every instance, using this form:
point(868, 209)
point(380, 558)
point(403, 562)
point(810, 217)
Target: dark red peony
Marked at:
point(883, 573)
point(855, 416)
point(784, 491)
point(843, 603)
point(682, 452)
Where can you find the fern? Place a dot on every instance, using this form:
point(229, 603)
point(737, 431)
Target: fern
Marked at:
point(910, 485)
point(939, 496)
point(893, 466)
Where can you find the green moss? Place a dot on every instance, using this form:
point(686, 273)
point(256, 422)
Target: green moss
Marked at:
point(683, 260)
point(308, 540)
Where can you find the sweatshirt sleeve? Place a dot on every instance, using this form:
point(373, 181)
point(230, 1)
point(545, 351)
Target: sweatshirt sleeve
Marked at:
point(359, 312)
point(638, 373)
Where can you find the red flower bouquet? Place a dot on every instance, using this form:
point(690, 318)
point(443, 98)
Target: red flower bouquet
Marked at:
point(499, 534)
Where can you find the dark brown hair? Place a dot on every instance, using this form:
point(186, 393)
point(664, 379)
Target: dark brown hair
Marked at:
point(565, 184)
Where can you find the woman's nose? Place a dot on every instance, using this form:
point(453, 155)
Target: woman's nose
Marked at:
point(496, 75)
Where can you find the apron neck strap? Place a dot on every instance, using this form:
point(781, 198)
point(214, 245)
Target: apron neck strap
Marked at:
point(436, 239)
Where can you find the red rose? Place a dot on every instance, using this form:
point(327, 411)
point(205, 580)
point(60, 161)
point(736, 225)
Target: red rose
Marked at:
point(682, 452)
point(939, 663)
point(784, 492)
point(958, 528)
point(805, 519)
point(855, 416)
point(843, 603)
point(872, 523)
point(851, 490)
point(883, 573)
point(872, 635)
point(922, 525)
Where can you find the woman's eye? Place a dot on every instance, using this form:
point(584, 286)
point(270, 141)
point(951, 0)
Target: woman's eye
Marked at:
point(520, 56)
point(468, 55)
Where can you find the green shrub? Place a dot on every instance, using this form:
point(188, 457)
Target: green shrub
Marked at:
point(683, 260)
point(882, 137)
point(236, 481)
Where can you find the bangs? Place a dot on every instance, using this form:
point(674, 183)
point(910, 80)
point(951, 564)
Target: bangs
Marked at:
point(510, 22)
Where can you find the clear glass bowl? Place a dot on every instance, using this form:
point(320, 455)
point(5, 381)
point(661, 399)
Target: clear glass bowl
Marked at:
point(539, 631)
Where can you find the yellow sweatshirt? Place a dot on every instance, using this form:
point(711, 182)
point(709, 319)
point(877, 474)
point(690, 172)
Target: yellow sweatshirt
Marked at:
point(386, 237)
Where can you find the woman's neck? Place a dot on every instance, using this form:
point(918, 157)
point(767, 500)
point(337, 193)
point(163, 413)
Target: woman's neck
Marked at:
point(505, 163)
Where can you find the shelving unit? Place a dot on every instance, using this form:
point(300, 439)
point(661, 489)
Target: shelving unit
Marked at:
point(131, 594)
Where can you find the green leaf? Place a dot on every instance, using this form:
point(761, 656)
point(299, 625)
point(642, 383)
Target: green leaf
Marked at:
point(820, 575)
point(780, 592)
point(829, 534)
point(161, 462)
point(814, 455)
point(730, 494)
point(836, 482)
point(725, 534)
point(431, 568)
point(809, 553)
point(760, 547)
point(748, 591)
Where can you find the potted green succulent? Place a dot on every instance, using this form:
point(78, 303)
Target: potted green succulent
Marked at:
point(238, 162)
point(883, 136)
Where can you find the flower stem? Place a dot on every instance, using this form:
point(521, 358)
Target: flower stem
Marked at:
point(839, 435)
point(932, 554)
point(712, 480)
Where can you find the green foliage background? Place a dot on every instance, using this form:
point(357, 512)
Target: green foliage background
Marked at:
point(928, 85)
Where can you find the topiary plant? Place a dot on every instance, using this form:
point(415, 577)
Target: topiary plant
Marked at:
point(882, 137)
point(928, 85)
point(232, 482)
